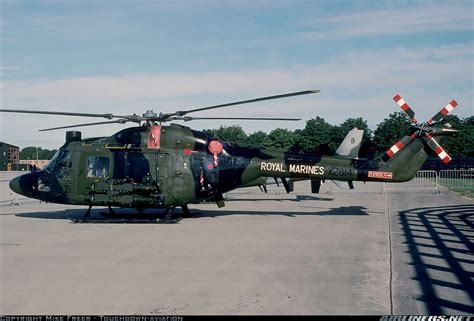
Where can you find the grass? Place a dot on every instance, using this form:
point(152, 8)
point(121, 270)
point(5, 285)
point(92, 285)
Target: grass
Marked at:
point(463, 187)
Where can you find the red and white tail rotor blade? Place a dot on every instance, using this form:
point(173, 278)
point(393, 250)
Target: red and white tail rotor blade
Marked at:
point(437, 149)
point(443, 112)
point(399, 145)
point(404, 106)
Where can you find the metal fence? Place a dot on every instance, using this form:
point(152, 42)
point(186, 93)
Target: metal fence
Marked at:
point(457, 179)
point(426, 180)
point(431, 180)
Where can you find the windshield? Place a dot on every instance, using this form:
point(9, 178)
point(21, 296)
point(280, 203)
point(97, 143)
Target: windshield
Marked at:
point(52, 162)
point(60, 164)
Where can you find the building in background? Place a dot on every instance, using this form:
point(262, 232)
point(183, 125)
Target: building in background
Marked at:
point(9, 155)
point(10, 159)
point(39, 163)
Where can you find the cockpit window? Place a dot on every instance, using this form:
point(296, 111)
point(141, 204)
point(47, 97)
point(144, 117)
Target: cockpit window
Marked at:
point(65, 159)
point(49, 168)
point(60, 164)
point(98, 166)
point(64, 164)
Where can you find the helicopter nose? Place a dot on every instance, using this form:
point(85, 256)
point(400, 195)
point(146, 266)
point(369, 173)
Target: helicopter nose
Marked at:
point(24, 184)
point(15, 185)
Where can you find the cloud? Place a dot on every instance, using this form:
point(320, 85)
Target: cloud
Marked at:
point(361, 70)
point(398, 20)
point(10, 69)
point(353, 85)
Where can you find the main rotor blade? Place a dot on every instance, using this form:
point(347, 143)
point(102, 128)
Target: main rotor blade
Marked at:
point(299, 93)
point(443, 112)
point(108, 116)
point(187, 118)
point(120, 121)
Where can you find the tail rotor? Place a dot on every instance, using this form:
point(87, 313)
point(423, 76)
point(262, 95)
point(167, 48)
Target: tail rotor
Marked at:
point(425, 130)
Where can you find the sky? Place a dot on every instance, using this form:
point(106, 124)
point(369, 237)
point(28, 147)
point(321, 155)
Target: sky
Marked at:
point(126, 57)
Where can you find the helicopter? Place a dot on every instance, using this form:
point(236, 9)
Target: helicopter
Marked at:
point(153, 165)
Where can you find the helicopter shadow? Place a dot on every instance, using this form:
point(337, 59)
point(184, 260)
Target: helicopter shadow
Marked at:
point(78, 213)
point(299, 198)
point(195, 213)
point(338, 211)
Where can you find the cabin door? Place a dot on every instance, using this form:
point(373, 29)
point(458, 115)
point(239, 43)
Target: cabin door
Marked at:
point(174, 178)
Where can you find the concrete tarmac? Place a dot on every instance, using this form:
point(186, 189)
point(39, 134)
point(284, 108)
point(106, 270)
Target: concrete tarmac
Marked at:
point(337, 252)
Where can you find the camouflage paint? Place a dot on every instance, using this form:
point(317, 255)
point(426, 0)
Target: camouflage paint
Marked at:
point(162, 166)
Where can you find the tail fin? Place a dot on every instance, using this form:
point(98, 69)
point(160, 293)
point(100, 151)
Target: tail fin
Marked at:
point(350, 146)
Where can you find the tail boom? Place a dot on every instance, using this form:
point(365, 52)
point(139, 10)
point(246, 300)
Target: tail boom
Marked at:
point(401, 167)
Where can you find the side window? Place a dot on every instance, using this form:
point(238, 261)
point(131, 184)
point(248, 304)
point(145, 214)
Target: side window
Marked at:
point(98, 166)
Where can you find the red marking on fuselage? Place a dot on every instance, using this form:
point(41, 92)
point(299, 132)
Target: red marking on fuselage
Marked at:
point(382, 175)
point(154, 137)
point(215, 147)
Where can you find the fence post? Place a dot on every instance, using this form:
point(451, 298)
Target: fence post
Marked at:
point(437, 183)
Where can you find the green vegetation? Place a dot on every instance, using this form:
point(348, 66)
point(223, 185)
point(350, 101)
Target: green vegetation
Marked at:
point(391, 130)
point(468, 193)
point(463, 143)
point(322, 137)
point(462, 186)
point(32, 152)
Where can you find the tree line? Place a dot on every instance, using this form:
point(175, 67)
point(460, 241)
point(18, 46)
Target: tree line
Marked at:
point(318, 136)
point(33, 152)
